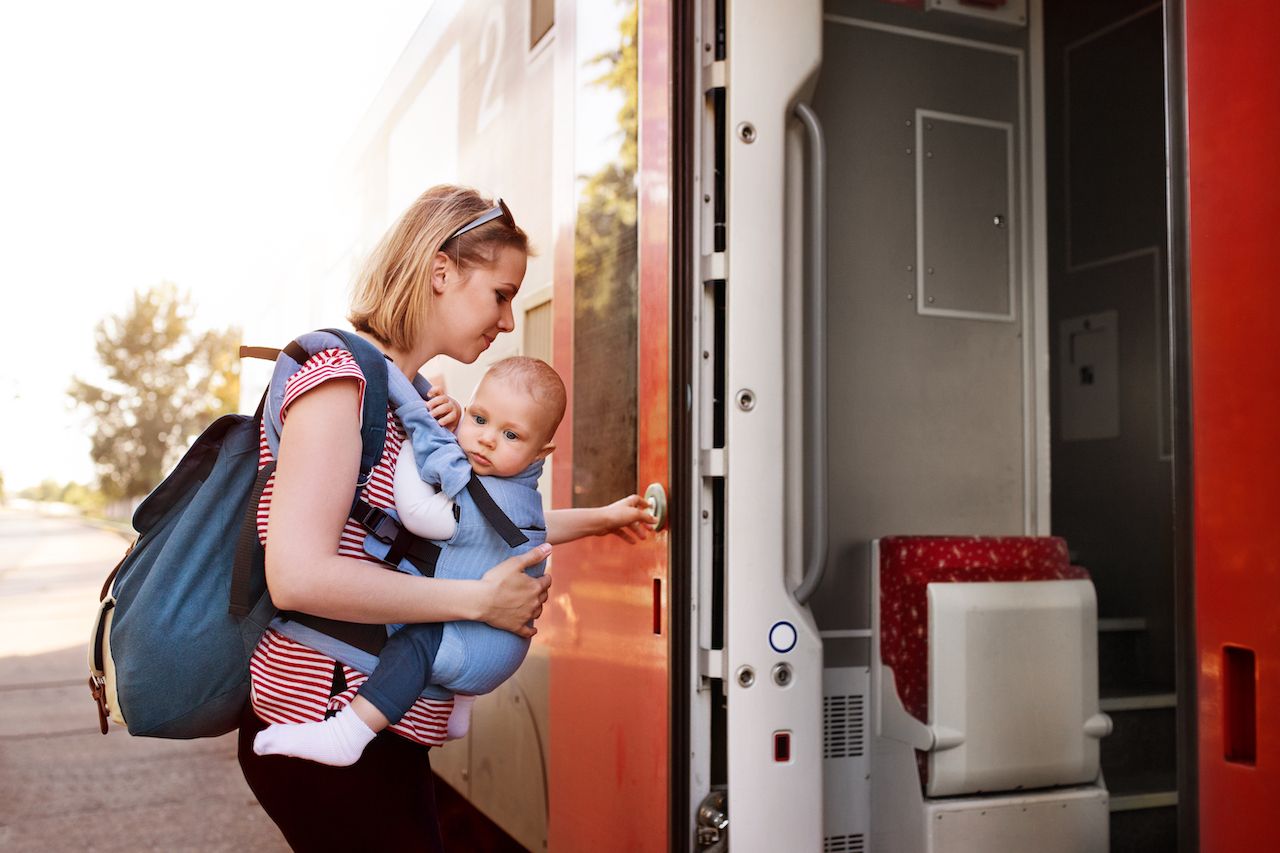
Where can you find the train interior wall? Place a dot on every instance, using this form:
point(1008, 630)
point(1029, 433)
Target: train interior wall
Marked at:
point(1111, 442)
point(932, 418)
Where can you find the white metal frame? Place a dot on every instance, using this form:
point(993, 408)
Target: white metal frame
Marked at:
point(773, 805)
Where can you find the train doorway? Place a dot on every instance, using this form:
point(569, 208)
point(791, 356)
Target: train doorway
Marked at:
point(998, 308)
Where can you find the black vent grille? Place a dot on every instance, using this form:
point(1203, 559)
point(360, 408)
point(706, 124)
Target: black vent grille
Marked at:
point(843, 730)
point(843, 844)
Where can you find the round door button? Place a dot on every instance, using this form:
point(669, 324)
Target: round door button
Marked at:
point(782, 637)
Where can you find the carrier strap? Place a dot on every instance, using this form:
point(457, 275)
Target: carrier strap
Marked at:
point(497, 519)
point(366, 638)
point(373, 419)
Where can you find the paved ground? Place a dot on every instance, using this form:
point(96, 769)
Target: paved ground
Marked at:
point(63, 786)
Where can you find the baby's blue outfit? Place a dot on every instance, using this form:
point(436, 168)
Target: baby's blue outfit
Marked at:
point(437, 660)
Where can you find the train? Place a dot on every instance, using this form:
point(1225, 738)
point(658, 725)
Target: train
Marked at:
point(938, 335)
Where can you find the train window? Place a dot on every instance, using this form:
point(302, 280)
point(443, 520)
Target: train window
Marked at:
point(542, 17)
point(536, 342)
point(606, 265)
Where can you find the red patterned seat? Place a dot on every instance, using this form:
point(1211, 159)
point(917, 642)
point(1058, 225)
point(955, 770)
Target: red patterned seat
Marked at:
point(908, 564)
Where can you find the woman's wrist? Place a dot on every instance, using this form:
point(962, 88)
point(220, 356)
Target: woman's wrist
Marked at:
point(474, 599)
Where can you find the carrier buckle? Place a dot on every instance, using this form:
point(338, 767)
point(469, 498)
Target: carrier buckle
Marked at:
point(382, 526)
point(97, 688)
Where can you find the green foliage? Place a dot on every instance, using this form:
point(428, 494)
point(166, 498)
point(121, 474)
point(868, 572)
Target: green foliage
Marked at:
point(605, 233)
point(165, 382)
point(87, 498)
point(48, 490)
point(76, 494)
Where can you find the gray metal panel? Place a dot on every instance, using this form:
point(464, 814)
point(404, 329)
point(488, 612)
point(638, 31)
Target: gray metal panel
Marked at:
point(925, 412)
point(964, 207)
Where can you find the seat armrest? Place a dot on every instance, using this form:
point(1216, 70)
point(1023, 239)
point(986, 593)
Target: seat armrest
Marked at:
point(1098, 726)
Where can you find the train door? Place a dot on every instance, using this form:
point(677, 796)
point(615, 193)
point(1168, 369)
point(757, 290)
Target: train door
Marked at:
point(606, 631)
point(1232, 213)
point(998, 304)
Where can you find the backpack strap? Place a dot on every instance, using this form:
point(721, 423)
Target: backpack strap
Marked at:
point(250, 559)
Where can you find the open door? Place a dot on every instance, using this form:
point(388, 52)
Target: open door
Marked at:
point(1232, 214)
point(606, 625)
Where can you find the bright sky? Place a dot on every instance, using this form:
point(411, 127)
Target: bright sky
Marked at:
point(149, 141)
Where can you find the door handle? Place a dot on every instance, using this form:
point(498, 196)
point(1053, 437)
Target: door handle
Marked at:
point(815, 410)
point(656, 497)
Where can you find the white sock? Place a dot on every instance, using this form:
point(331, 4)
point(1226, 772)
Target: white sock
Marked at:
point(338, 741)
point(460, 719)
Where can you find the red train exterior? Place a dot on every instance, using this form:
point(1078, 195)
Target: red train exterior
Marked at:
point(1233, 215)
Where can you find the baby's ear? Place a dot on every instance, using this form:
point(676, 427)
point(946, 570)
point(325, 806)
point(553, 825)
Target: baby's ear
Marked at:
point(546, 450)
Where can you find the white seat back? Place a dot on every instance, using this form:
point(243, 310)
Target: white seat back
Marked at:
point(1013, 686)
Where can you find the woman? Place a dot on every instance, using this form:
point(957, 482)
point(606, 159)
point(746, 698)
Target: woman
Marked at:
point(440, 283)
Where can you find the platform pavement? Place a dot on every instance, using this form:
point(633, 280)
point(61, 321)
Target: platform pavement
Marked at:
point(63, 785)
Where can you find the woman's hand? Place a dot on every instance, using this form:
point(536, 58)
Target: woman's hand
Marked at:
point(444, 409)
point(513, 599)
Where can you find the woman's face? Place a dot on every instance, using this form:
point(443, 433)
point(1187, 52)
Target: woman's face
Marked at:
point(472, 310)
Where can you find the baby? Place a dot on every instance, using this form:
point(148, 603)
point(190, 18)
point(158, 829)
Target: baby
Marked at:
point(505, 434)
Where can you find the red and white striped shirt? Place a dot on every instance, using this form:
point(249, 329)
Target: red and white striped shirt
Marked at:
point(291, 682)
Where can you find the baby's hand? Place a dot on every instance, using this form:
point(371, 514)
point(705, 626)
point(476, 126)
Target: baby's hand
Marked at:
point(444, 409)
point(629, 519)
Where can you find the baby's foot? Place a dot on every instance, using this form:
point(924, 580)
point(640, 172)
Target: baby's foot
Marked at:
point(338, 741)
point(460, 719)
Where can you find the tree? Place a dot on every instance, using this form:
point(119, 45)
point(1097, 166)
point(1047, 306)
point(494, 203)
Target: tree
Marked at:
point(165, 382)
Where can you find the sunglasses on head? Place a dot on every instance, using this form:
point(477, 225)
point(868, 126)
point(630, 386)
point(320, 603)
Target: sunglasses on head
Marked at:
point(500, 212)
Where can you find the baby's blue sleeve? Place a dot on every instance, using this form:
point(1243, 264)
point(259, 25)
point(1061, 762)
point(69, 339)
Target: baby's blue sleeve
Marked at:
point(441, 461)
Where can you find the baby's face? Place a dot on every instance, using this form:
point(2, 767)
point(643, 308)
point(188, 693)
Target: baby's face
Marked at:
point(504, 429)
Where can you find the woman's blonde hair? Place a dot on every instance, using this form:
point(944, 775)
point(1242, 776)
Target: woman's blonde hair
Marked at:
point(392, 296)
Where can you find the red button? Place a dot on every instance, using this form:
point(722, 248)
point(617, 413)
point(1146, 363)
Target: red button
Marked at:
point(782, 746)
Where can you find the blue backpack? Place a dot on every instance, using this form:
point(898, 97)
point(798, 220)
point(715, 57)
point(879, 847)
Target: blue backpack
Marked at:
point(182, 613)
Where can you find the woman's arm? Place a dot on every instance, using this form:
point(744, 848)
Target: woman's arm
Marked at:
point(629, 519)
point(318, 464)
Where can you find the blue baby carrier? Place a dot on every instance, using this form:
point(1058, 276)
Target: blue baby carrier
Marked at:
point(497, 517)
point(182, 613)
